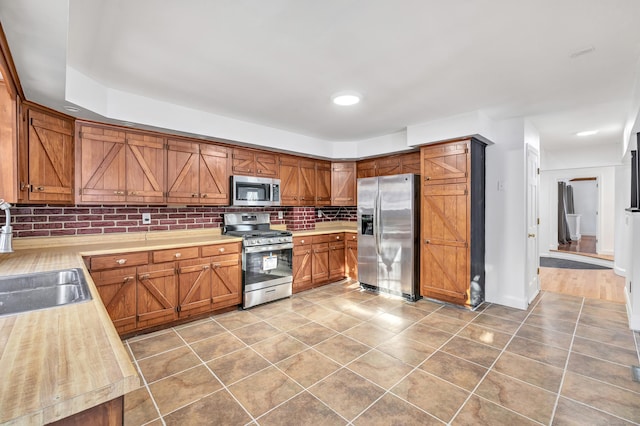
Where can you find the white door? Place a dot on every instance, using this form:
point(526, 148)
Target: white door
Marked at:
point(533, 260)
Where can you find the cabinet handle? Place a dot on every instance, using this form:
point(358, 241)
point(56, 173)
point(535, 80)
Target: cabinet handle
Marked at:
point(178, 255)
point(221, 250)
point(143, 277)
point(216, 265)
point(204, 195)
point(40, 188)
point(118, 192)
point(205, 267)
point(338, 237)
point(121, 261)
point(259, 171)
point(133, 192)
point(301, 241)
point(308, 252)
point(127, 279)
point(427, 178)
point(427, 241)
point(194, 195)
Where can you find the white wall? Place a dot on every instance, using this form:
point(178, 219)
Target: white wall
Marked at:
point(585, 201)
point(623, 201)
point(581, 157)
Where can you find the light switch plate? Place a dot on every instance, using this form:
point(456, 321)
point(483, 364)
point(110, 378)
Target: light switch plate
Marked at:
point(280, 214)
point(146, 218)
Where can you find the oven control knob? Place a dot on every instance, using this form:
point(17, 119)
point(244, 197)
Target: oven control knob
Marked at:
point(260, 241)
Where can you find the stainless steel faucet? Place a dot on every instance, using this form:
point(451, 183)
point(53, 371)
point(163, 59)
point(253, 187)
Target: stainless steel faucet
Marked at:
point(6, 231)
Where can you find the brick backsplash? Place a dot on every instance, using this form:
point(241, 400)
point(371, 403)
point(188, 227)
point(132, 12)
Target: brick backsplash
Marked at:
point(45, 220)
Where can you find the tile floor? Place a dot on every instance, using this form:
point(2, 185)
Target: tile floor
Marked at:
point(337, 355)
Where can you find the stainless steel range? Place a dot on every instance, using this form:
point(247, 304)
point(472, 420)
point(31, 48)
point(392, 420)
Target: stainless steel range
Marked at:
point(267, 257)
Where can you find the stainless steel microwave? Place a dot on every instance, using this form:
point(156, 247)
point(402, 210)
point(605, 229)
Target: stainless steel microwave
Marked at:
point(254, 191)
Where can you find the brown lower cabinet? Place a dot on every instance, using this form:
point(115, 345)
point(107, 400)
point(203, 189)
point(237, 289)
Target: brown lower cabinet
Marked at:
point(317, 260)
point(351, 256)
point(148, 289)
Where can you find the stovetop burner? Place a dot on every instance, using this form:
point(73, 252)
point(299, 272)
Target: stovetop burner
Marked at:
point(254, 228)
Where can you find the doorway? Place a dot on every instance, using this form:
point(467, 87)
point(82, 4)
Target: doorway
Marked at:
point(578, 224)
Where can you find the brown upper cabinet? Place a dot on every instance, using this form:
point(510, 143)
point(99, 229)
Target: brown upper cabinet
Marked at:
point(343, 184)
point(117, 166)
point(251, 162)
point(197, 173)
point(297, 180)
point(47, 158)
point(323, 183)
point(389, 165)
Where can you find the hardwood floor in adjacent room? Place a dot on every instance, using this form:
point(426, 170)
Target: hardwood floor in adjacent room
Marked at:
point(601, 284)
point(585, 246)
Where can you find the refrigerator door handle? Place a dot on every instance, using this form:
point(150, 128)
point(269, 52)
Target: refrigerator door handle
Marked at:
point(376, 213)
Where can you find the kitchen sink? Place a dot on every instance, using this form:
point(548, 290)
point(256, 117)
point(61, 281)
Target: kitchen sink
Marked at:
point(30, 292)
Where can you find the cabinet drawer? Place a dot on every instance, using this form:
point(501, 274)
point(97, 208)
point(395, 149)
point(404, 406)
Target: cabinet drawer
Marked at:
point(336, 237)
point(300, 241)
point(217, 249)
point(120, 260)
point(225, 260)
point(320, 247)
point(321, 238)
point(351, 236)
point(169, 255)
point(335, 245)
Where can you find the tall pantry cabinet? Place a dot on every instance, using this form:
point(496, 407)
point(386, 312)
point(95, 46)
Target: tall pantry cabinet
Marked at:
point(452, 225)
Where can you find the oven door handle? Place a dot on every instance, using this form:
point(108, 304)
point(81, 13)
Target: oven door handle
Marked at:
point(272, 247)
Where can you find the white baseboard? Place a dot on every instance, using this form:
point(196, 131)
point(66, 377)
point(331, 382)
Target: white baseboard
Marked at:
point(512, 302)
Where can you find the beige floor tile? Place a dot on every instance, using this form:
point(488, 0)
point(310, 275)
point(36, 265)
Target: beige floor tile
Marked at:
point(409, 311)
point(605, 304)
point(218, 408)
point(558, 310)
point(361, 312)
point(268, 310)
point(605, 352)
point(551, 323)
point(505, 312)
point(155, 344)
point(538, 351)
point(435, 396)
point(496, 323)
point(167, 363)
point(380, 368)
point(341, 349)
point(264, 390)
point(312, 333)
point(338, 321)
point(472, 351)
point(139, 408)
point(459, 313)
point(369, 334)
point(454, 370)
point(391, 410)
point(216, 346)
point(183, 388)
point(615, 374)
point(623, 339)
point(347, 393)
point(548, 337)
point(287, 321)
point(315, 312)
point(619, 317)
point(528, 400)
point(308, 367)
point(427, 335)
point(308, 411)
point(255, 332)
point(530, 371)
point(571, 413)
point(481, 412)
point(384, 303)
point(613, 400)
point(237, 365)
point(199, 330)
point(237, 319)
point(484, 335)
point(279, 347)
point(406, 350)
point(443, 322)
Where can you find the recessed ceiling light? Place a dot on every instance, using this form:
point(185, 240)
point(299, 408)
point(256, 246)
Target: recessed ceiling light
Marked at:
point(71, 108)
point(346, 98)
point(587, 133)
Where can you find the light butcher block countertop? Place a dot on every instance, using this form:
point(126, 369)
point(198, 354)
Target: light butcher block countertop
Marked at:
point(60, 361)
point(328, 228)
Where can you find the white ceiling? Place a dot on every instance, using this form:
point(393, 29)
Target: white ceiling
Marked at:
point(276, 63)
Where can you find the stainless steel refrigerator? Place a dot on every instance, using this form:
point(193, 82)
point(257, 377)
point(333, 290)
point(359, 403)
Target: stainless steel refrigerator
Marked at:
point(388, 234)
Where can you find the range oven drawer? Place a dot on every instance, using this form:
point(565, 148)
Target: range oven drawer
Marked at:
point(264, 295)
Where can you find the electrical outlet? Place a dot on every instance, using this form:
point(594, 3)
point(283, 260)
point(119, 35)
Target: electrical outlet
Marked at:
point(280, 214)
point(320, 214)
point(146, 218)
